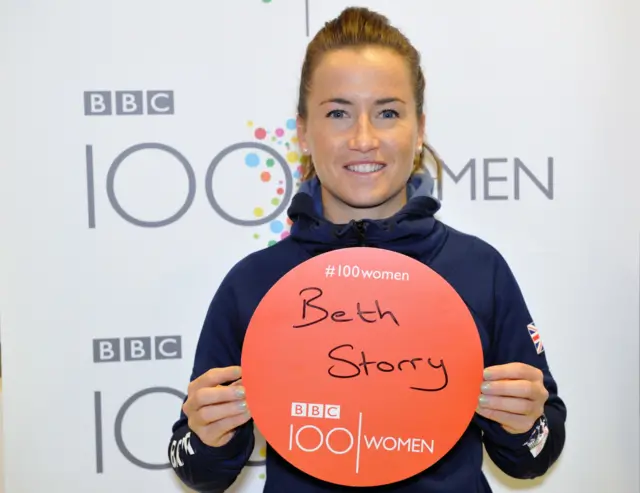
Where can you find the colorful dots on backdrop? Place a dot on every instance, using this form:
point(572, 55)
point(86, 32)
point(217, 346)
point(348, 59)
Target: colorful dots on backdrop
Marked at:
point(277, 226)
point(284, 136)
point(252, 160)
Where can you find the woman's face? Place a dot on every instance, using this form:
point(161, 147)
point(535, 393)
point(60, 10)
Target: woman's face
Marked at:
point(362, 132)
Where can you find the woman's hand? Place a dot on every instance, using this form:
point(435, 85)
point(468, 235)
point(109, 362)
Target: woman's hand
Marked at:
point(216, 410)
point(513, 395)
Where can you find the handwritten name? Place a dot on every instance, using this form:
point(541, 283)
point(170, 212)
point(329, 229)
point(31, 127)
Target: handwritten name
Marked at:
point(314, 313)
point(362, 365)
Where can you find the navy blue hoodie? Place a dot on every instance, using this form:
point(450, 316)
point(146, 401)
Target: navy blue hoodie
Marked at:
point(476, 271)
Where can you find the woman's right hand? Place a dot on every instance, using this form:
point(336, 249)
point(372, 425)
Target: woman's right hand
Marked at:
point(215, 410)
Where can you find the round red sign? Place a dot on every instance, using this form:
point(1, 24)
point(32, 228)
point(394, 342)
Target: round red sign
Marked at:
point(362, 367)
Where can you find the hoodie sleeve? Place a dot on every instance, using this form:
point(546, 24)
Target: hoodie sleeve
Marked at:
point(515, 339)
point(203, 468)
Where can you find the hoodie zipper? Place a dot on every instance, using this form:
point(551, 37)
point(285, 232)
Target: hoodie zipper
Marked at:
point(360, 229)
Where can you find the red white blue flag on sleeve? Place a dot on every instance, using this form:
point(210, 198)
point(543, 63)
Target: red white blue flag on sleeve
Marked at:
point(535, 337)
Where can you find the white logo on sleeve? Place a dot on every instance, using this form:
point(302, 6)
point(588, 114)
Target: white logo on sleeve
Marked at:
point(178, 446)
point(538, 438)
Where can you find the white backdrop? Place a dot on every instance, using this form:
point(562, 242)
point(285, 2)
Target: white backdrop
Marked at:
point(539, 99)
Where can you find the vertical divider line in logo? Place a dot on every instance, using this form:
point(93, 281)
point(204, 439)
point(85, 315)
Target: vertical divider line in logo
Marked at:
point(307, 15)
point(359, 441)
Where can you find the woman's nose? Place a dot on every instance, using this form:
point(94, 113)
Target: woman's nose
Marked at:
point(364, 138)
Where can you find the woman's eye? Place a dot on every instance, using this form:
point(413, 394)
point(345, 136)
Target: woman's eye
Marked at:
point(389, 113)
point(336, 114)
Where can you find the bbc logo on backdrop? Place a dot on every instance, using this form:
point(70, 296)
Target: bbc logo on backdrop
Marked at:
point(116, 350)
point(122, 103)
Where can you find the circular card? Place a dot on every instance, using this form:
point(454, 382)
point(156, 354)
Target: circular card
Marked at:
point(362, 367)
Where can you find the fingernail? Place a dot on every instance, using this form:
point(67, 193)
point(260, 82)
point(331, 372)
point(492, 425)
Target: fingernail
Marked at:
point(483, 400)
point(485, 386)
point(242, 405)
point(487, 374)
point(240, 392)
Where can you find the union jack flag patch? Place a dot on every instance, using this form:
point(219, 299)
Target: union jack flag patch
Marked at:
point(535, 337)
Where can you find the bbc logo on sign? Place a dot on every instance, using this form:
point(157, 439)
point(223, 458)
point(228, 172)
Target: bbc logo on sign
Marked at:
point(137, 349)
point(321, 411)
point(107, 103)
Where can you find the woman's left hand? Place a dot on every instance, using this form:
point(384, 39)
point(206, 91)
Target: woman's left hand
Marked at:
point(513, 395)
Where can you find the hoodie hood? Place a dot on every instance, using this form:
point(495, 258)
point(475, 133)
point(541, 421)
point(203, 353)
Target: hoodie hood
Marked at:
point(412, 231)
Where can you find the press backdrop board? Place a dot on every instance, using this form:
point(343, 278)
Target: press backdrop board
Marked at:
point(117, 228)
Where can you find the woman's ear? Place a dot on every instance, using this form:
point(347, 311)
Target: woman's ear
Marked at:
point(421, 132)
point(301, 131)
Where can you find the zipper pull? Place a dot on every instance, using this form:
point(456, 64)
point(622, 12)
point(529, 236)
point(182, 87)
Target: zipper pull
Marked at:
point(361, 228)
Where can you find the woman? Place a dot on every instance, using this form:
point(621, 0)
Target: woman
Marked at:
point(360, 128)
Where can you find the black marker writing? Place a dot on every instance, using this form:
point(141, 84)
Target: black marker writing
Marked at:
point(318, 314)
point(364, 365)
point(446, 378)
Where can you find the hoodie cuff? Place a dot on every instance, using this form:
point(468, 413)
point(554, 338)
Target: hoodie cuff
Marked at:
point(532, 440)
point(234, 447)
point(538, 436)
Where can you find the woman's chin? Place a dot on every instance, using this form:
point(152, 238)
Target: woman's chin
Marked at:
point(390, 202)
